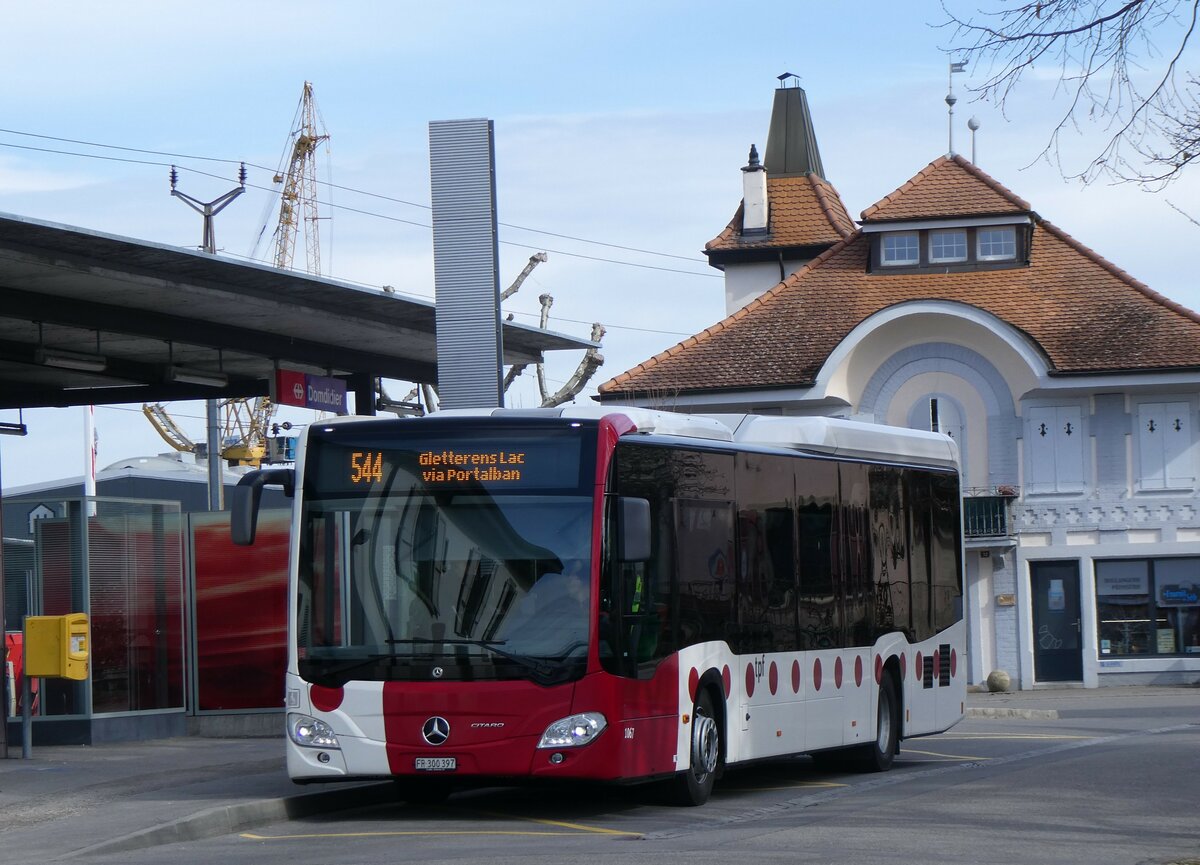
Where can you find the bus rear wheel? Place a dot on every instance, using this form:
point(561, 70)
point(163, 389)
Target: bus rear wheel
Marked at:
point(695, 785)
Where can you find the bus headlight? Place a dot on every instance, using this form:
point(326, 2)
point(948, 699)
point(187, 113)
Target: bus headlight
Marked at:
point(310, 732)
point(573, 731)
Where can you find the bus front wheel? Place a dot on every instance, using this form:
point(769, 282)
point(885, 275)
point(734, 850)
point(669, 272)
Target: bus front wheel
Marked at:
point(694, 786)
point(878, 756)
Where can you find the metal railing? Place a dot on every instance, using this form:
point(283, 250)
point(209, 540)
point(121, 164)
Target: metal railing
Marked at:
point(986, 511)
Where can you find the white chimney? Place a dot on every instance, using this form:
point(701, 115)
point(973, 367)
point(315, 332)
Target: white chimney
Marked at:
point(754, 195)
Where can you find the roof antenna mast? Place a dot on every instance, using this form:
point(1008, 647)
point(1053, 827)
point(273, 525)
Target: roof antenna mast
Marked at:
point(961, 66)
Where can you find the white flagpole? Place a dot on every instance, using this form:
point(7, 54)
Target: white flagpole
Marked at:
point(89, 458)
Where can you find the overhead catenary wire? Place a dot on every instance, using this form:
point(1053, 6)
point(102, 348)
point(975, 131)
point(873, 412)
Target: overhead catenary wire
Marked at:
point(331, 186)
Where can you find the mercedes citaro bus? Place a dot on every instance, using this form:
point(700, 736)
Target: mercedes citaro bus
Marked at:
point(614, 594)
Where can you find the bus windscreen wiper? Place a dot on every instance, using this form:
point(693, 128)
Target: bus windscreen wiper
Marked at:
point(544, 673)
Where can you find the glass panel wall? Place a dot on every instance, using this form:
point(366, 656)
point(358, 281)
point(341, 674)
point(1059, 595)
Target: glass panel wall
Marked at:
point(120, 561)
point(240, 613)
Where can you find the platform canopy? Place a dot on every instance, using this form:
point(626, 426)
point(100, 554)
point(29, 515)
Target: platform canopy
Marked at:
point(92, 318)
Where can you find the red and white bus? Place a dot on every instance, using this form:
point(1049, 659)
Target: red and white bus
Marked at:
point(614, 594)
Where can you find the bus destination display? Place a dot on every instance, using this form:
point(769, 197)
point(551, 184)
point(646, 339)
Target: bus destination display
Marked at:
point(447, 466)
point(554, 462)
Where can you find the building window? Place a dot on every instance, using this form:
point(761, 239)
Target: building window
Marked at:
point(947, 246)
point(1055, 443)
point(901, 248)
point(1164, 441)
point(1147, 607)
point(996, 244)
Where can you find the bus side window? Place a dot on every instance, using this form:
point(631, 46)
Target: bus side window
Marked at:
point(817, 553)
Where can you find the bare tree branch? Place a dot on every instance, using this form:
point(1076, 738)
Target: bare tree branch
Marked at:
point(1117, 62)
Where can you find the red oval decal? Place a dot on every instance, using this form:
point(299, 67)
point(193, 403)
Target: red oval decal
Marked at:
point(727, 679)
point(817, 674)
point(858, 671)
point(837, 673)
point(773, 678)
point(878, 669)
point(953, 663)
point(749, 680)
point(693, 683)
point(795, 677)
point(325, 699)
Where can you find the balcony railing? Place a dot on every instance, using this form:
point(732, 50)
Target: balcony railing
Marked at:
point(985, 511)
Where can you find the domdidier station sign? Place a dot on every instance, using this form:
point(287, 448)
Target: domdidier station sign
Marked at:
point(322, 393)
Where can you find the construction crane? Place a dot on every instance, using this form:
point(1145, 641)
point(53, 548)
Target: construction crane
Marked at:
point(243, 434)
point(298, 200)
point(245, 423)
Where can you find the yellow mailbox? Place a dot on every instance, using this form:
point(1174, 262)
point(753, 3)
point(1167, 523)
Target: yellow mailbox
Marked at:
point(57, 646)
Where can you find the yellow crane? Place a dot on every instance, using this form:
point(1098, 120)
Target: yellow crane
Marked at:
point(246, 422)
point(243, 433)
point(298, 199)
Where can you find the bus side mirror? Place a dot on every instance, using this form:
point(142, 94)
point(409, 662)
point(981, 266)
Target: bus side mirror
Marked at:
point(633, 529)
point(245, 497)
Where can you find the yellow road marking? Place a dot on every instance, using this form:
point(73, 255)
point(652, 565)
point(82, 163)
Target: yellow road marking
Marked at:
point(251, 836)
point(946, 756)
point(562, 824)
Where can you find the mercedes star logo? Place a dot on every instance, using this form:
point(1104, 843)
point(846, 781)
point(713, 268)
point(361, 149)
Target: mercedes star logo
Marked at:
point(438, 672)
point(436, 730)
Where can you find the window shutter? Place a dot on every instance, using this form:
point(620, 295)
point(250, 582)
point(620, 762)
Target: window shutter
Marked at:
point(1177, 446)
point(1055, 450)
point(1152, 470)
point(1068, 450)
point(1040, 477)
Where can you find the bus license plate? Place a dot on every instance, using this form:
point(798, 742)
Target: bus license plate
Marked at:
point(436, 764)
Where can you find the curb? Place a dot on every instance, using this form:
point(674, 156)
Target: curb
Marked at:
point(228, 819)
point(1026, 714)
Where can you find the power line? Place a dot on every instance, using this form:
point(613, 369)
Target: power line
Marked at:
point(371, 213)
point(377, 195)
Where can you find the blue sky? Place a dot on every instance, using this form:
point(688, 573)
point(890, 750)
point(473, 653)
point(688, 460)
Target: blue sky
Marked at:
point(619, 122)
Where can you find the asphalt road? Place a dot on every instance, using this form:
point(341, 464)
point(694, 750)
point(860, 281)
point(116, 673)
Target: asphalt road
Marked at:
point(1104, 785)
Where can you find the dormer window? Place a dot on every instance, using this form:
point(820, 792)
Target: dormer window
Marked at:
point(996, 244)
point(947, 246)
point(901, 248)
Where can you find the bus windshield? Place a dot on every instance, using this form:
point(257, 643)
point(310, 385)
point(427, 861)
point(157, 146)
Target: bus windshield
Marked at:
point(429, 554)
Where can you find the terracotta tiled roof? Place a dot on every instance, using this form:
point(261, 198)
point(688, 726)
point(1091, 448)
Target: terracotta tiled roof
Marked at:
point(1087, 315)
point(805, 210)
point(948, 186)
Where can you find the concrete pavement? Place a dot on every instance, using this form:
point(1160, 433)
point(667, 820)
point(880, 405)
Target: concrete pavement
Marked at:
point(74, 800)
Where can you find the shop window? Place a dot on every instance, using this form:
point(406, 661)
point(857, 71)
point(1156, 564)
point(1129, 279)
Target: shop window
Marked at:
point(1055, 447)
point(1148, 607)
point(1164, 438)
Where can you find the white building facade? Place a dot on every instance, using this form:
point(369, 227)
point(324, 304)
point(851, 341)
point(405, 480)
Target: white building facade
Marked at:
point(1072, 389)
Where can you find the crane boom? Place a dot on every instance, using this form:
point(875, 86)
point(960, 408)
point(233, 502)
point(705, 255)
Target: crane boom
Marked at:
point(166, 427)
point(298, 200)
